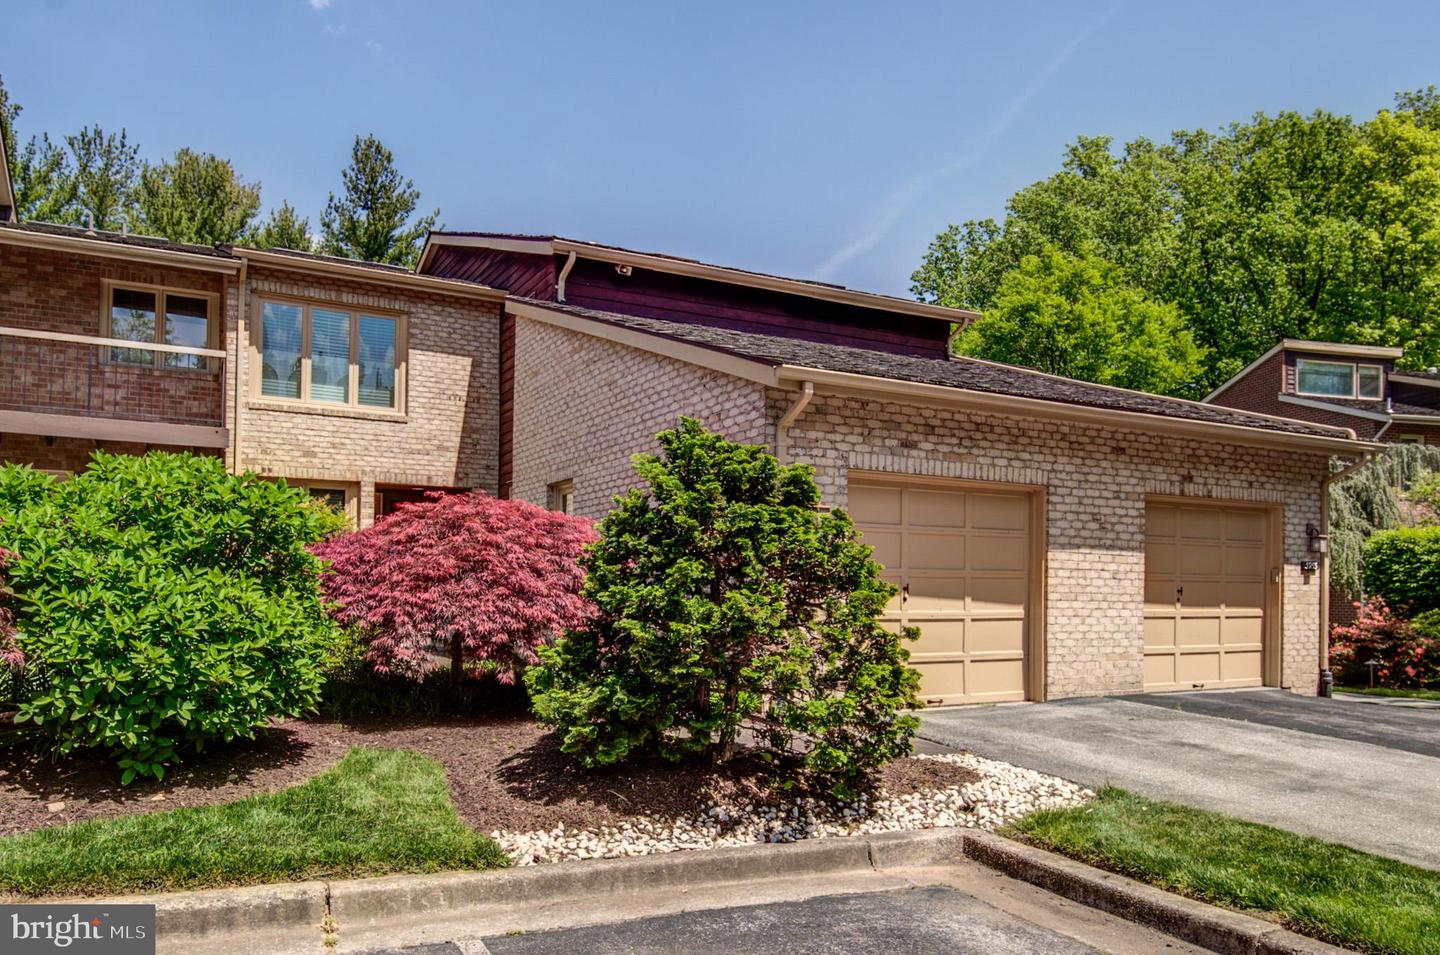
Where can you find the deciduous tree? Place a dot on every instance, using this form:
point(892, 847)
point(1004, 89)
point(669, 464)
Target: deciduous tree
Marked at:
point(481, 581)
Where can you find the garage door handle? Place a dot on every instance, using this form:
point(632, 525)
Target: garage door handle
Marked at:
point(1179, 592)
point(905, 591)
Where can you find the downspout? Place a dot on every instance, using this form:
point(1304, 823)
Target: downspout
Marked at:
point(241, 347)
point(564, 274)
point(1327, 679)
point(782, 427)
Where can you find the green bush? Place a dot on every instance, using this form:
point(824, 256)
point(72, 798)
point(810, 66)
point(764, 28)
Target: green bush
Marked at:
point(1402, 566)
point(164, 603)
point(725, 598)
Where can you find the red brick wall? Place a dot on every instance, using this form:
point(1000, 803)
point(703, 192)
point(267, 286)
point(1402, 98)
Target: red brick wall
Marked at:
point(1259, 390)
point(71, 454)
point(59, 292)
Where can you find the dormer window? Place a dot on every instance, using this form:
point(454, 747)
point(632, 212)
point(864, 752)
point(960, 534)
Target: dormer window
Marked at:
point(1337, 379)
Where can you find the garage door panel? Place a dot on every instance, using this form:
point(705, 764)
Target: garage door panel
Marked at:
point(934, 508)
point(874, 505)
point(1197, 668)
point(995, 679)
point(934, 550)
point(938, 638)
point(1197, 632)
point(1160, 633)
point(996, 636)
point(892, 606)
point(1240, 665)
point(993, 552)
point(998, 593)
point(936, 593)
point(885, 547)
point(999, 512)
point(1205, 595)
point(1198, 559)
point(965, 557)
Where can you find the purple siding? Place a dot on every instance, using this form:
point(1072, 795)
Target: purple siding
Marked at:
point(678, 298)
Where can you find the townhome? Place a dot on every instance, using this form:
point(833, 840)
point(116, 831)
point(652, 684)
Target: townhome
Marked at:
point(1352, 386)
point(1049, 537)
point(366, 384)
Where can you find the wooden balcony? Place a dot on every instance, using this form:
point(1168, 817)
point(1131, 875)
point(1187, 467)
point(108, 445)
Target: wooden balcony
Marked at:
point(82, 386)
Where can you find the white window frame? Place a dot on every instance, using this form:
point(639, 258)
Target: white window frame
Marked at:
point(107, 330)
point(1354, 378)
point(352, 400)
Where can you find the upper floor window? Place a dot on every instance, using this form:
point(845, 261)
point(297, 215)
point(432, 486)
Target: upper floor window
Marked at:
point(159, 316)
point(330, 355)
point(1337, 379)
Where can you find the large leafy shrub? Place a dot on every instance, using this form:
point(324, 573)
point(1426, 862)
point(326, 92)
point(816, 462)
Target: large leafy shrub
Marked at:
point(164, 603)
point(1403, 567)
point(470, 578)
point(726, 598)
point(1407, 652)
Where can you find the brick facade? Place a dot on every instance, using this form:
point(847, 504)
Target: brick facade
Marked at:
point(583, 406)
point(1096, 481)
point(55, 292)
point(446, 435)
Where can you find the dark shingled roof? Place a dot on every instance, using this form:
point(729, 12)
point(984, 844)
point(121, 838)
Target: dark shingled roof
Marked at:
point(1397, 407)
point(966, 373)
point(120, 238)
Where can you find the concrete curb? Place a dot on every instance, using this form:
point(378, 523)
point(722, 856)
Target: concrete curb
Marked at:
point(269, 910)
point(1217, 929)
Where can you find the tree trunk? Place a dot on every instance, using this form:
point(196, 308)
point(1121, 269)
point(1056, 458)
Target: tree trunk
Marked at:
point(727, 742)
point(457, 660)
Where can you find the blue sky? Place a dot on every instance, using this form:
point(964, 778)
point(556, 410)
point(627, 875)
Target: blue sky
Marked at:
point(828, 140)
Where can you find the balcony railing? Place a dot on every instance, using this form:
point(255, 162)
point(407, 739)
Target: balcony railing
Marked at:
point(62, 374)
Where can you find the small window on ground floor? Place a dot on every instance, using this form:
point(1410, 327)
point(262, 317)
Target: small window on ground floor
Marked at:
point(1410, 439)
point(561, 497)
point(340, 497)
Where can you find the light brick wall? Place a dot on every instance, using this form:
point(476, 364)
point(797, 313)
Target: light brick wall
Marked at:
point(448, 433)
point(584, 405)
point(1096, 481)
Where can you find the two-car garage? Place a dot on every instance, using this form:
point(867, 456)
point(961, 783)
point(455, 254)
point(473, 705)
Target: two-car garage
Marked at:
point(968, 560)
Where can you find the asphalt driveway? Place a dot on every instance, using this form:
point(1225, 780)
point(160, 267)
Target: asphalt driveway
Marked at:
point(1367, 776)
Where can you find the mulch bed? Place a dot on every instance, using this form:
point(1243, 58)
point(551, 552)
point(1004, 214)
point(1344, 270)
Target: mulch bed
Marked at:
point(505, 772)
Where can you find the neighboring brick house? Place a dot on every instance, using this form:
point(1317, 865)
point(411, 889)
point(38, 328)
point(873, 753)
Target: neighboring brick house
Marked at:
point(366, 384)
point(1050, 538)
point(1350, 386)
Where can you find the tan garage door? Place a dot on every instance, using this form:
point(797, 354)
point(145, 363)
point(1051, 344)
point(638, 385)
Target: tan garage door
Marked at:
point(961, 559)
point(1205, 595)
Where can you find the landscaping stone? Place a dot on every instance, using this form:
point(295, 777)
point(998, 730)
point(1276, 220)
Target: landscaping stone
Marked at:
point(1002, 794)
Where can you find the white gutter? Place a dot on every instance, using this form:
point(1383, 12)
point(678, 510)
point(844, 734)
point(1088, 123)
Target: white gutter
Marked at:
point(360, 273)
point(77, 245)
point(782, 427)
point(1327, 679)
point(564, 274)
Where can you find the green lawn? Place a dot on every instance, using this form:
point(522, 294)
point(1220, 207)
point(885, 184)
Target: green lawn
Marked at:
point(377, 811)
point(1343, 896)
point(1391, 691)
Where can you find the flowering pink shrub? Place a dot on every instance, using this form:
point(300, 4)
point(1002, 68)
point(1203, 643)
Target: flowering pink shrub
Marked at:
point(473, 578)
point(1409, 655)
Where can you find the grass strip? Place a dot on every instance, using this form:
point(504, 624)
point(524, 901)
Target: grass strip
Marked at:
point(378, 811)
point(1318, 888)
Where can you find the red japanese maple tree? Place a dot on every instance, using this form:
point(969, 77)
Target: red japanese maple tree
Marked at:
point(469, 576)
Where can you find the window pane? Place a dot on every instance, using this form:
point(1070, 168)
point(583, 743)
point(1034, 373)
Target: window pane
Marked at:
point(132, 317)
point(329, 355)
point(334, 497)
point(280, 351)
point(1327, 378)
point(1369, 381)
point(187, 323)
point(377, 361)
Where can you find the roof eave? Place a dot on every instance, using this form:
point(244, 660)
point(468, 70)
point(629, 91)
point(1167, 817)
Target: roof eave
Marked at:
point(102, 248)
point(1342, 349)
point(1343, 441)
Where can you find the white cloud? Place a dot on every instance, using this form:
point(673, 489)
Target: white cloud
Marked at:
point(904, 196)
point(374, 46)
point(318, 4)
